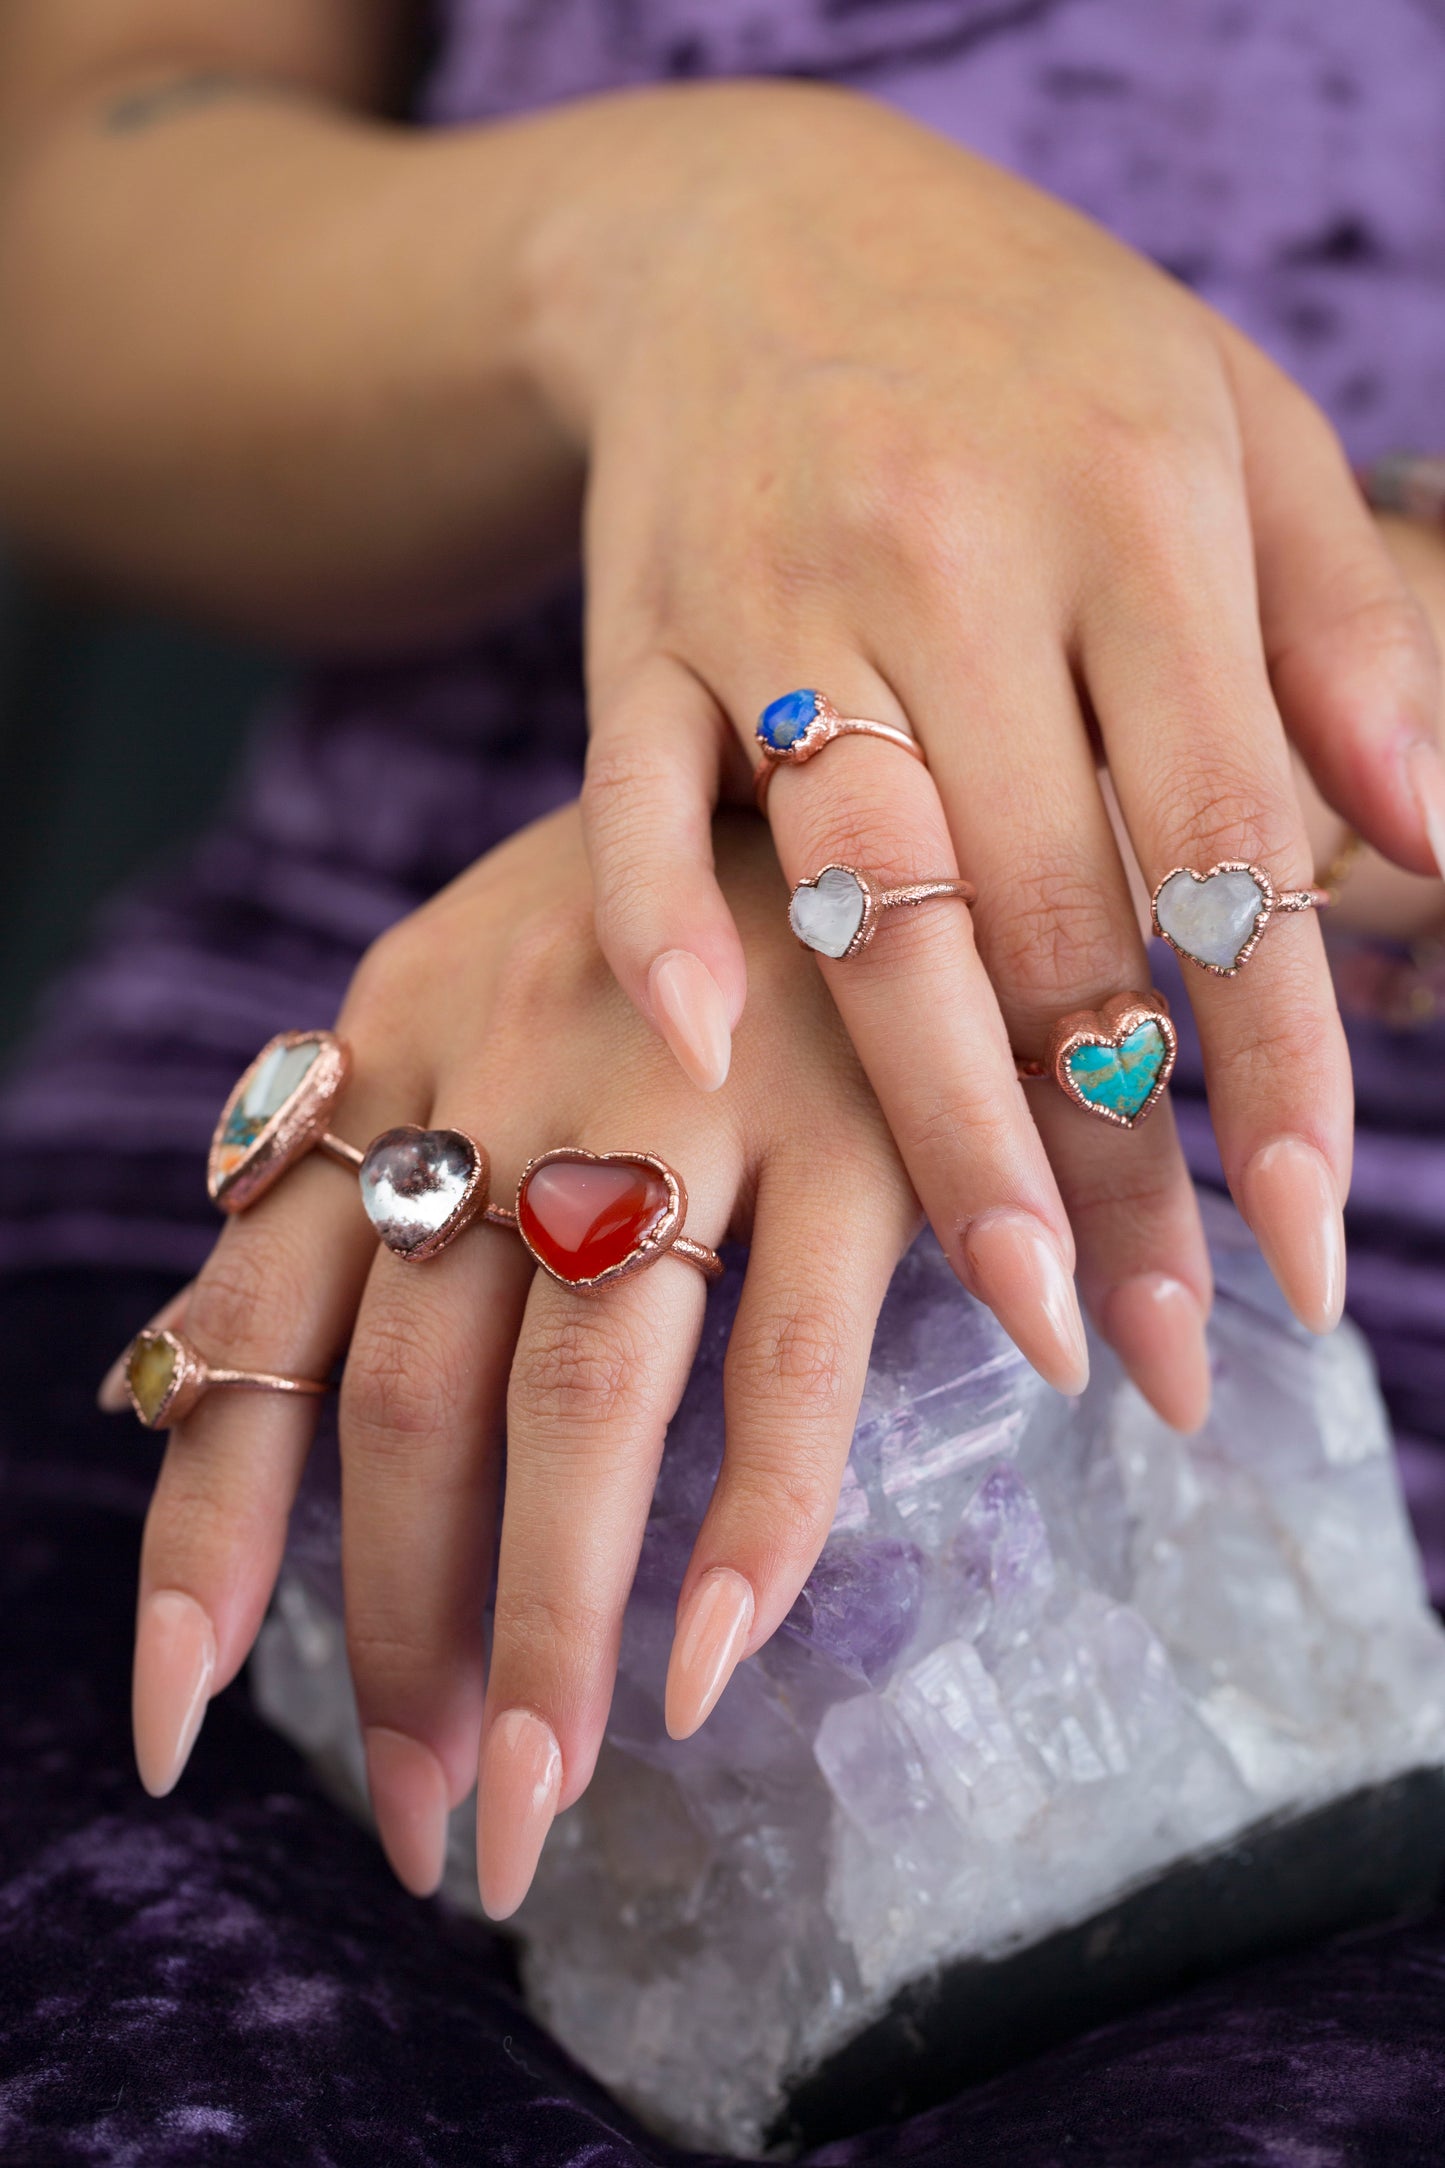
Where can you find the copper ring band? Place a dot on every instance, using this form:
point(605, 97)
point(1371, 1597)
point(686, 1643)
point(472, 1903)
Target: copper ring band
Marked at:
point(835, 912)
point(826, 725)
point(1115, 1061)
point(1271, 903)
point(165, 1377)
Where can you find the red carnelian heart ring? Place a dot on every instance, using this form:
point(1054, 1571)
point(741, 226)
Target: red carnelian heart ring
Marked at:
point(592, 1217)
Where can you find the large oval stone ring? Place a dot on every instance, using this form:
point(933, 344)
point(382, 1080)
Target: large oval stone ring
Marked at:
point(1217, 919)
point(593, 1217)
point(278, 1112)
point(836, 912)
point(1115, 1061)
point(165, 1377)
point(794, 728)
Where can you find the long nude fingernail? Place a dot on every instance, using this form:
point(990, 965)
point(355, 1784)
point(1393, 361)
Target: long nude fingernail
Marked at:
point(175, 1662)
point(692, 1016)
point(1426, 770)
point(1155, 1325)
point(1292, 1202)
point(1015, 1267)
point(710, 1637)
point(517, 1790)
point(408, 1789)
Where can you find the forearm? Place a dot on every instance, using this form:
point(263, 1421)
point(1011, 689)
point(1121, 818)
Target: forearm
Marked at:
point(266, 360)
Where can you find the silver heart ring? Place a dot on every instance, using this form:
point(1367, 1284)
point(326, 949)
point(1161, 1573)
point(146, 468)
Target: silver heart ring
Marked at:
point(792, 729)
point(1217, 919)
point(836, 912)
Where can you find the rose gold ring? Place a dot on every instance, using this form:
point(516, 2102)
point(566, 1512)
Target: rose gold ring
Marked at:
point(794, 728)
point(165, 1377)
point(277, 1113)
point(593, 1217)
point(1115, 1061)
point(1217, 919)
point(836, 912)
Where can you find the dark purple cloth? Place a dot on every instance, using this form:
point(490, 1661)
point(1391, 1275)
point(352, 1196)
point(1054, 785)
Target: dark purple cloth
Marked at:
point(232, 1976)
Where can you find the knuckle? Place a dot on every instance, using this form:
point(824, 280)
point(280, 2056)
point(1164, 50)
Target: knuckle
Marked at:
point(619, 793)
point(247, 1298)
point(798, 1360)
point(1054, 938)
point(973, 1132)
point(544, 1628)
point(397, 1388)
point(790, 1502)
point(572, 1371)
point(1226, 812)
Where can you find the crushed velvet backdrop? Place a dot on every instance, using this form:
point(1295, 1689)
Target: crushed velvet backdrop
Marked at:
point(231, 1975)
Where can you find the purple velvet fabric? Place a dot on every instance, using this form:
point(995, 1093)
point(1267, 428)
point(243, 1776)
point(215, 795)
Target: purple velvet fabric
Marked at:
point(231, 1975)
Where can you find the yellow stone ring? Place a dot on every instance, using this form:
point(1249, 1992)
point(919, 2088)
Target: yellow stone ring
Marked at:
point(165, 1377)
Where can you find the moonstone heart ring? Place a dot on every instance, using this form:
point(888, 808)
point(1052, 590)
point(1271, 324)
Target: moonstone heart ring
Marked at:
point(592, 1217)
point(277, 1113)
point(1217, 919)
point(1115, 1061)
point(837, 911)
point(165, 1377)
point(794, 728)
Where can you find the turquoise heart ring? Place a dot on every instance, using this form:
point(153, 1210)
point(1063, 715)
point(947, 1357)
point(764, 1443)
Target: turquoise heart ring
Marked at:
point(795, 727)
point(1114, 1061)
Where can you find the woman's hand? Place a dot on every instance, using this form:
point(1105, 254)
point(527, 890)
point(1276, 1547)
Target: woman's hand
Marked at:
point(866, 414)
point(492, 1011)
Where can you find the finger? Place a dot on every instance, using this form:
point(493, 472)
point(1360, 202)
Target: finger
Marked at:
point(421, 1413)
point(920, 1011)
point(1351, 654)
point(1058, 931)
point(796, 1362)
point(277, 1294)
point(594, 1384)
point(1172, 655)
point(653, 762)
point(112, 1397)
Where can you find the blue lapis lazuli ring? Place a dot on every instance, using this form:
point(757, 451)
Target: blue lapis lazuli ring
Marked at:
point(800, 724)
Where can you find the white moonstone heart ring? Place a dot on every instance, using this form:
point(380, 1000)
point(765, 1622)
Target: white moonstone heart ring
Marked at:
point(837, 911)
point(165, 1377)
point(1218, 918)
point(792, 729)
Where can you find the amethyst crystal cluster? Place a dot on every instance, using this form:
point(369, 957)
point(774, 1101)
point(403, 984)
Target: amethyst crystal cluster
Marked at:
point(1051, 1653)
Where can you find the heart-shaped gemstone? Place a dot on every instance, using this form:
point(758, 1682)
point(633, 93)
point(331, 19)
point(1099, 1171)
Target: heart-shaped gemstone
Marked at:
point(275, 1113)
point(1210, 917)
point(150, 1372)
point(1120, 1078)
point(587, 1216)
point(421, 1187)
point(827, 912)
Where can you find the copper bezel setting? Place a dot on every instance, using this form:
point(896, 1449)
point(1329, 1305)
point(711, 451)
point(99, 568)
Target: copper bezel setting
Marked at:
point(297, 1126)
point(1108, 1027)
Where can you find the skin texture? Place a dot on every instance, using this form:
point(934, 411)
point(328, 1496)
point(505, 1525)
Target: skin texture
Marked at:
point(456, 1019)
point(951, 454)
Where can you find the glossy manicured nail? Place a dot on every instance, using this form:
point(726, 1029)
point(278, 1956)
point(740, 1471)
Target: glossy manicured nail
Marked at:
point(517, 1790)
point(710, 1637)
point(409, 1799)
point(1290, 1198)
point(175, 1662)
point(1015, 1267)
point(112, 1398)
point(692, 1016)
point(1155, 1326)
point(1426, 770)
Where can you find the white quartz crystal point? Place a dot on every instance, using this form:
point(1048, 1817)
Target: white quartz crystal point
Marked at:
point(827, 913)
point(1212, 919)
point(1050, 1652)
